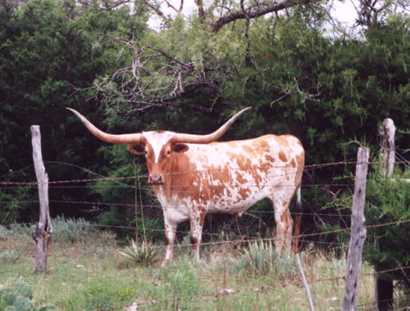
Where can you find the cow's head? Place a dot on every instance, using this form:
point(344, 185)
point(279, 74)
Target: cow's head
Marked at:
point(157, 146)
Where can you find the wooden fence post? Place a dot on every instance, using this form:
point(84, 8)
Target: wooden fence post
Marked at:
point(42, 232)
point(388, 131)
point(384, 287)
point(358, 231)
point(305, 283)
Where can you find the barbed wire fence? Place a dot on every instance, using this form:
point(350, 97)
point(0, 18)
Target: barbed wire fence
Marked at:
point(139, 188)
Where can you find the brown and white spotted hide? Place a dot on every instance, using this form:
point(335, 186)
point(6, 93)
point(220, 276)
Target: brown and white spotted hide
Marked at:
point(223, 177)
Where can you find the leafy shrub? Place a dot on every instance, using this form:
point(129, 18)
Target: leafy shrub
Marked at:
point(21, 229)
point(141, 254)
point(181, 279)
point(388, 201)
point(71, 230)
point(9, 256)
point(19, 298)
point(387, 217)
point(4, 233)
point(102, 294)
point(12, 204)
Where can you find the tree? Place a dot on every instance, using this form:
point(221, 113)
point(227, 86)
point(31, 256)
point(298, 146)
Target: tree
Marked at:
point(49, 58)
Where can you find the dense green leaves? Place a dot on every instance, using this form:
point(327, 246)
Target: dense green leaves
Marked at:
point(388, 202)
point(49, 59)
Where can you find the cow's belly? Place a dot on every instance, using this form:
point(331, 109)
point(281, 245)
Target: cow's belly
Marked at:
point(177, 214)
point(236, 201)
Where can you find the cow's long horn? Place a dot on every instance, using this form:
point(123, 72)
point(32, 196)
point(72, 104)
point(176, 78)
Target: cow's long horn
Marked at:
point(204, 139)
point(106, 137)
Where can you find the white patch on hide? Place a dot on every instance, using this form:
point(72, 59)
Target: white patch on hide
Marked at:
point(157, 140)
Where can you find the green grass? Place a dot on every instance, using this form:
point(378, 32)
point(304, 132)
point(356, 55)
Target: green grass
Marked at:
point(90, 275)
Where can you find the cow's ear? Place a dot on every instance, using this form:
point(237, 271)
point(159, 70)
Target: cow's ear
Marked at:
point(137, 149)
point(180, 147)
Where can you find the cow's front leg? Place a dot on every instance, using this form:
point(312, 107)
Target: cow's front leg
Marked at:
point(170, 229)
point(197, 224)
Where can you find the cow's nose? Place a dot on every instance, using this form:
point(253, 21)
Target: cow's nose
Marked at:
point(155, 179)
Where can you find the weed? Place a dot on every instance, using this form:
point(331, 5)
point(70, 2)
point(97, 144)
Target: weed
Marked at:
point(260, 258)
point(102, 294)
point(4, 233)
point(85, 276)
point(9, 256)
point(71, 230)
point(21, 229)
point(19, 298)
point(140, 254)
point(179, 286)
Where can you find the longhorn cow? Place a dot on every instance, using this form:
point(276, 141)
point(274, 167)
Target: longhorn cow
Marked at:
point(192, 175)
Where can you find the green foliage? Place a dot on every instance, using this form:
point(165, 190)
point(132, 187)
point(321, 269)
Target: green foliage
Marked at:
point(65, 230)
point(388, 223)
point(71, 230)
point(180, 286)
point(50, 55)
point(11, 203)
point(4, 232)
point(19, 298)
point(9, 256)
point(101, 294)
point(388, 200)
point(144, 254)
point(20, 229)
point(86, 277)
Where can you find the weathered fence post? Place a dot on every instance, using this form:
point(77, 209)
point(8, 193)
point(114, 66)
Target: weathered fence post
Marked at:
point(384, 287)
point(136, 192)
point(42, 232)
point(358, 231)
point(305, 283)
point(388, 131)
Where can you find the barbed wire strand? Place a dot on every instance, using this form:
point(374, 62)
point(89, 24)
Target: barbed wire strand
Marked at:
point(118, 178)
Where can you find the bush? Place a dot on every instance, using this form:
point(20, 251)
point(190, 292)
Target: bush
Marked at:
point(140, 254)
point(260, 258)
point(4, 233)
point(388, 201)
point(19, 298)
point(9, 256)
point(102, 294)
point(71, 230)
point(388, 220)
point(21, 229)
point(181, 279)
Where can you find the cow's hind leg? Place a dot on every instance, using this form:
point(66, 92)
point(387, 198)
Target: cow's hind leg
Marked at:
point(284, 222)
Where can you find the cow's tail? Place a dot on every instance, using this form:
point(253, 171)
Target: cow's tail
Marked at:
point(298, 221)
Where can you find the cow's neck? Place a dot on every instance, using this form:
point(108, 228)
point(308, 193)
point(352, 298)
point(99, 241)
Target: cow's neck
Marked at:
point(178, 177)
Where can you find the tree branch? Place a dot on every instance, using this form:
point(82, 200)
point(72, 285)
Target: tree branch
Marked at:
point(174, 98)
point(156, 8)
point(201, 11)
point(256, 10)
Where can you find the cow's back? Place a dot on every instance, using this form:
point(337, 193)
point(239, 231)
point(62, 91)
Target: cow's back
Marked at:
point(231, 176)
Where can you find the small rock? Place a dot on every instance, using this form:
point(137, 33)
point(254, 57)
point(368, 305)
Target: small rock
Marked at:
point(225, 291)
point(132, 307)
